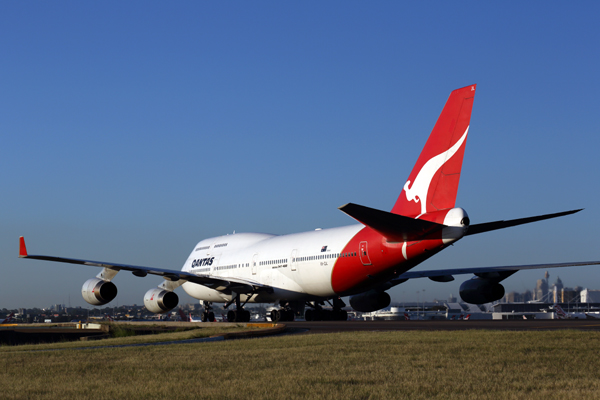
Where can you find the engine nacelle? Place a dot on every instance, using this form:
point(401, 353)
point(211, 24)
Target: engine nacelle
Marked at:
point(372, 300)
point(480, 291)
point(98, 292)
point(160, 301)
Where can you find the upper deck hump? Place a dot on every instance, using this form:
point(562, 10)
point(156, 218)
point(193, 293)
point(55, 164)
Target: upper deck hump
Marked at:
point(241, 241)
point(235, 241)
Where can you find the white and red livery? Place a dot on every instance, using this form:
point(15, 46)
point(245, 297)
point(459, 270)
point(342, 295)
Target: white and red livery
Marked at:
point(303, 270)
point(8, 319)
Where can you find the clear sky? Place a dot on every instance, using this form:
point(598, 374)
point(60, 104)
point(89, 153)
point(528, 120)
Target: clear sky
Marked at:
point(132, 130)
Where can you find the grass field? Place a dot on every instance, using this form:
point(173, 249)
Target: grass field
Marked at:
point(354, 365)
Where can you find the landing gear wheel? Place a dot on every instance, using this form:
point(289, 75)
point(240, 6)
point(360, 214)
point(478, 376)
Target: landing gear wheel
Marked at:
point(289, 315)
point(339, 315)
point(275, 315)
point(282, 315)
point(207, 315)
point(326, 315)
point(309, 314)
point(231, 316)
point(238, 316)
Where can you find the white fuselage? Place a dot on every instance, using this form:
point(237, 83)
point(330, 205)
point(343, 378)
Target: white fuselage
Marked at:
point(297, 266)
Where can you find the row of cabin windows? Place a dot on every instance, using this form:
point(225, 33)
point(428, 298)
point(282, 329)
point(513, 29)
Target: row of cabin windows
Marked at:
point(208, 247)
point(232, 266)
point(324, 256)
point(283, 260)
point(310, 258)
point(273, 262)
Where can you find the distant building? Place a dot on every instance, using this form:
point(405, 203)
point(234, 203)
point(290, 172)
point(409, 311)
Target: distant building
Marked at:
point(556, 290)
point(590, 296)
point(541, 290)
point(568, 295)
point(510, 297)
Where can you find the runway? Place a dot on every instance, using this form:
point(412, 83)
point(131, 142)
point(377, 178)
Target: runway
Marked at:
point(498, 325)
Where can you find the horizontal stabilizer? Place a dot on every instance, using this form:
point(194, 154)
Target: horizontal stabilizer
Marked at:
point(396, 228)
point(499, 272)
point(492, 226)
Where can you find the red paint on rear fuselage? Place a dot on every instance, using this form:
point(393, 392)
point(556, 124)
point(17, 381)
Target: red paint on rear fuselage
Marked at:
point(387, 259)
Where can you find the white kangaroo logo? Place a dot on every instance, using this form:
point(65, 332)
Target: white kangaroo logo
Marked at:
point(420, 187)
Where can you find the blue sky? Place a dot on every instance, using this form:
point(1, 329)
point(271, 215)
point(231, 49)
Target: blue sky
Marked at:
point(132, 131)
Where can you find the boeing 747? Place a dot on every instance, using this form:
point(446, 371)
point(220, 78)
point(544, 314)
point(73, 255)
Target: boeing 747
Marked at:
point(302, 271)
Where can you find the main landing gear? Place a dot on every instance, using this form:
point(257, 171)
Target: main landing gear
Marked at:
point(283, 315)
point(288, 311)
point(239, 314)
point(315, 312)
point(207, 315)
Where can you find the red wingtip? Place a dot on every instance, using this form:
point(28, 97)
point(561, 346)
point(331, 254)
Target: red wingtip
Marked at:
point(22, 248)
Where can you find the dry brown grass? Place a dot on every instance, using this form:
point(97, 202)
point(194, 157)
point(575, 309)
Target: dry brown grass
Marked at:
point(125, 339)
point(365, 365)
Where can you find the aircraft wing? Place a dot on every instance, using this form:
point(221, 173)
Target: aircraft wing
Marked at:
point(492, 226)
point(495, 273)
point(223, 283)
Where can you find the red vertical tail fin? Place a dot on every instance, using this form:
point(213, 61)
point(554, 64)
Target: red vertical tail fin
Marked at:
point(8, 319)
point(433, 183)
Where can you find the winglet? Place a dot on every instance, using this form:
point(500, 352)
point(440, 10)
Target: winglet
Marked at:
point(22, 248)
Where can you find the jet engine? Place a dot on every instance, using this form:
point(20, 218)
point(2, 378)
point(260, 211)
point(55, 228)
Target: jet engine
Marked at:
point(160, 301)
point(98, 292)
point(480, 291)
point(372, 300)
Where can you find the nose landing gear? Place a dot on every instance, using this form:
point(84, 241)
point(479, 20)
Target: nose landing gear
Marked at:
point(207, 315)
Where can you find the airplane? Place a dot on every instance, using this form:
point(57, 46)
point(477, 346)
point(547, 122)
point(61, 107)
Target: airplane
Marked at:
point(192, 319)
point(187, 318)
point(302, 271)
point(182, 316)
point(592, 315)
point(562, 314)
point(8, 319)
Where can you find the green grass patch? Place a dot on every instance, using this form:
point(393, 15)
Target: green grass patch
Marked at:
point(351, 365)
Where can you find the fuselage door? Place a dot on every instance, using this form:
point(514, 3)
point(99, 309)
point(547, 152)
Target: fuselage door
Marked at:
point(293, 261)
point(254, 264)
point(364, 254)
